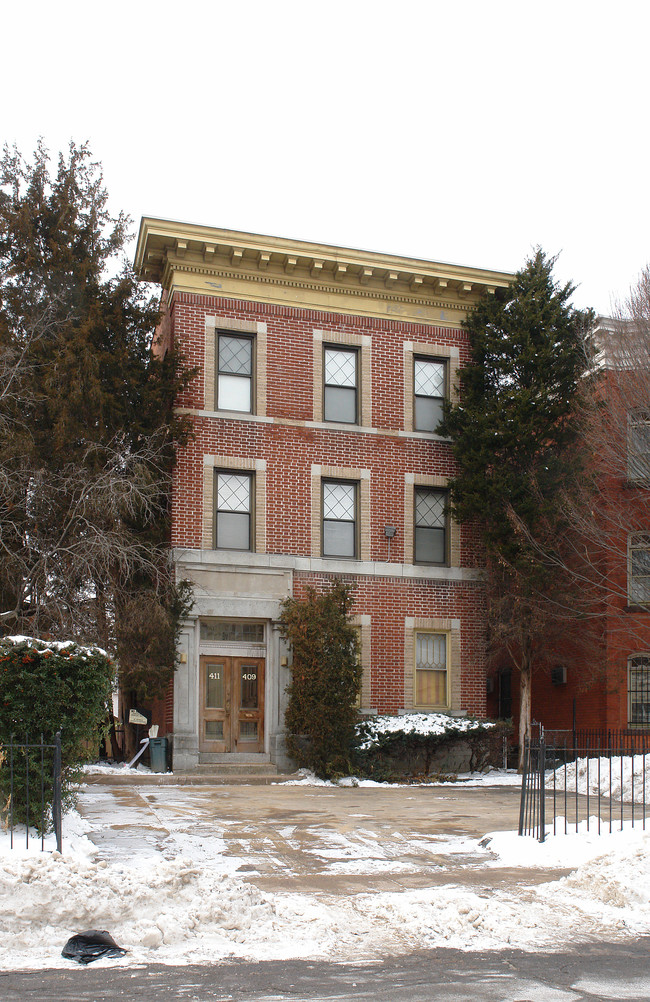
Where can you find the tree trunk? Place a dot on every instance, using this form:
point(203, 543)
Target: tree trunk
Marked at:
point(525, 716)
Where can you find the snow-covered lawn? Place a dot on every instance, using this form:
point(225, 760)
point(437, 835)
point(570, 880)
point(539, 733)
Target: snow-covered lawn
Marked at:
point(194, 907)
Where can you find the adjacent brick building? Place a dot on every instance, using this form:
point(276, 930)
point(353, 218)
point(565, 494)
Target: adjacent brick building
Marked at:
point(599, 675)
point(322, 372)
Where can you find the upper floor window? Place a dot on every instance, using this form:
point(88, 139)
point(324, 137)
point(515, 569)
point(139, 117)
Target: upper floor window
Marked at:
point(638, 445)
point(340, 518)
point(638, 576)
point(430, 529)
point(638, 691)
point(234, 511)
point(234, 373)
point(429, 389)
point(341, 378)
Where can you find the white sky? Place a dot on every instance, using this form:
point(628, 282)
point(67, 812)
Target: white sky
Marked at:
point(463, 131)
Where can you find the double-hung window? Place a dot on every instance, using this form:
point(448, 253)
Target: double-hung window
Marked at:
point(429, 386)
point(638, 445)
point(431, 669)
point(234, 511)
point(341, 378)
point(340, 518)
point(638, 578)
point(234, 373)
point(638, 691)
point(430, 529)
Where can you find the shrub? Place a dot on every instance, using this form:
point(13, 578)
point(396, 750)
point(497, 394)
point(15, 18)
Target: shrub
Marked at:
point(45, 688)
point(419, 744)
point(322, 714)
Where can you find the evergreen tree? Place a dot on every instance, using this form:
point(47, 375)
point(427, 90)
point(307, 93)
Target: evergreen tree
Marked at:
point(517, 445)
point(326, 680)
point(87, 428)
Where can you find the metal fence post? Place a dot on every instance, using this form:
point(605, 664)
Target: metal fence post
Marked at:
point(542, 791)
point(56, 797)
point(524, 778)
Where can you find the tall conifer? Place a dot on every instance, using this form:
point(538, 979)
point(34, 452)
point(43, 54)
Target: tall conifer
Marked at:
point(87, 429)
point(517, 445)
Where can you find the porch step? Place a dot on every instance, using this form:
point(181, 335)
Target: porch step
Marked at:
point(253, 773)
point(233, 758)
point(232, 768)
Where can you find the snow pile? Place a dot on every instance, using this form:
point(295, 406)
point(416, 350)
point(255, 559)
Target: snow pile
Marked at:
point(175, 911)
point(112, 769)
point(565, 850)
point(626, 778)
point(305, 777)
point(186, 909)
point(606, 898)
point(374, 728)
point(75, 831)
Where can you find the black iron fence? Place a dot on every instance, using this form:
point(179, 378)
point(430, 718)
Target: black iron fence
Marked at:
point(31, 785)
point(597, 779)
point(619, 741)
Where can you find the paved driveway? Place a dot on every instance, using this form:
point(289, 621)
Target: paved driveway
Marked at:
point(334, 840)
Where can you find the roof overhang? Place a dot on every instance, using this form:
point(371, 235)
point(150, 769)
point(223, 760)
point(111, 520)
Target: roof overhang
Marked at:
point(187, 257)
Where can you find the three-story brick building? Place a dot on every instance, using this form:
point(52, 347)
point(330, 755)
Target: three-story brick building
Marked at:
point(322, 373)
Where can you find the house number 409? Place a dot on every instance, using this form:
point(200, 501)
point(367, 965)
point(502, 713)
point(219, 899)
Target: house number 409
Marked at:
point(250, 677)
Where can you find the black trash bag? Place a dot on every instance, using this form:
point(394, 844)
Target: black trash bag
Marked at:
point(88, 946)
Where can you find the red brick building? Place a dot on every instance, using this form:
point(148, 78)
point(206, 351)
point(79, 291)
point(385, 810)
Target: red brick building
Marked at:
point(599, 676)
point(322, 372)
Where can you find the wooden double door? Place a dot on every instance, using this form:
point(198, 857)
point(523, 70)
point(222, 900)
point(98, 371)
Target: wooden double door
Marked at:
point(232, 704)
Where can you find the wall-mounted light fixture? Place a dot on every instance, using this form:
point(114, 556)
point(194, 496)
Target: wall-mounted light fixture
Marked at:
point(389, 532)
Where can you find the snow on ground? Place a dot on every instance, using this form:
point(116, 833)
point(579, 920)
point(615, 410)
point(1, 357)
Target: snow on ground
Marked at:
point(626, 777)
point(192, 907)
point(495, 777)
point(110, 769)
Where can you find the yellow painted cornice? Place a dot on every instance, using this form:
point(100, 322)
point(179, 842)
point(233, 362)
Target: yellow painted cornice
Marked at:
point(184, 257)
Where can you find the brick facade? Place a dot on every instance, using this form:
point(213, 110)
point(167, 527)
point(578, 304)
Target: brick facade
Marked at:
point(284, 452)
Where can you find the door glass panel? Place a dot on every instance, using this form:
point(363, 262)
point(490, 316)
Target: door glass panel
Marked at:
point(249, 693)
point(248, 730)
point(214, 730)
point(214, 672)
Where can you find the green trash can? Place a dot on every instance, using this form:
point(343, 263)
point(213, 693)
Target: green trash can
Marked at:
point(158, 754)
